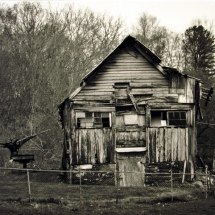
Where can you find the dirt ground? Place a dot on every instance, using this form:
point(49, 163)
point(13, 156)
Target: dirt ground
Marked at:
point(203, 207)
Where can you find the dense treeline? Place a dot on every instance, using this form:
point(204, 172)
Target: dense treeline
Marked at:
point(44, 54)
point(192, 53)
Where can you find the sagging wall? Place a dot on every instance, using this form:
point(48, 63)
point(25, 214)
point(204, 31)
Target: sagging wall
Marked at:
point(93, 146)
point(97, 145)
point(129, 88)
point(168, 144)
point(90, 145)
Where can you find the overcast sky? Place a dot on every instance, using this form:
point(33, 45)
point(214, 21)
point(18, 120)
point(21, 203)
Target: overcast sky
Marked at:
point(176, 15)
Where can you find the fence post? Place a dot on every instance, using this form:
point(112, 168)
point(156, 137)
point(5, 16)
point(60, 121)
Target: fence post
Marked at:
point(206, 181)
point(171, 179)
point(29, 186)
point(80, 195)
point(117, 186)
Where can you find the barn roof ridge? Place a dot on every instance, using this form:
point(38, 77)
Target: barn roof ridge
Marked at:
point(128, 39)
point(153, 58)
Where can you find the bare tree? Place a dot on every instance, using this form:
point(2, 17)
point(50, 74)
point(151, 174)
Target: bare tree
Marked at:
point(151, 34)
point(163, 42)
point(44, 55)
point(91, 38)
point(173, 55)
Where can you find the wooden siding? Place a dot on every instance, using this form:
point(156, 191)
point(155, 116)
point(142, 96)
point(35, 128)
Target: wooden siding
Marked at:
point(145, 81)
point(131, 169)
point(124, 67)
point(93, 146)
point(130, 139)
point(183, 86)
point(128, 84)
point(167, 144)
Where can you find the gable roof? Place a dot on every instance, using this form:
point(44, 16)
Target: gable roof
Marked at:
point(129, 41)
point(142, 49)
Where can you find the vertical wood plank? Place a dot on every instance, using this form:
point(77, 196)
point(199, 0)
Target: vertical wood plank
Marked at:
point(88, 155)
point(107, 143)
point(76, 147)
point(157, 144)
point(93, 149)
point(186, 145)
point(98, 147)
point(162, 144)
point(105, 137)
point(177, 148)
point(150, 145)
point(169, 144)
point(79, 146)
point(193, 140)
point(147, 146)
point(148, 116)
point(172, 145)
point(166, 158)
point(182, 144)
point(83, 145)
point(190, 90)
point(113, 137)
point(153, 144)
point(175, 144)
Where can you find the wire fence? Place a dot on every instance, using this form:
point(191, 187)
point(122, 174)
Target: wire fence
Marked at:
point(86, 186)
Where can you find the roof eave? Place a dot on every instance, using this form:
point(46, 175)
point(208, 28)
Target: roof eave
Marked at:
point(126, 40)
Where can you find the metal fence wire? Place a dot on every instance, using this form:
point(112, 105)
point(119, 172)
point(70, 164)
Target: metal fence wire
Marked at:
point(85, 185)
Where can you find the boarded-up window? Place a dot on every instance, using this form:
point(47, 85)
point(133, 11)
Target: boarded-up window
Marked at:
point(93, 119)
point(131, 119)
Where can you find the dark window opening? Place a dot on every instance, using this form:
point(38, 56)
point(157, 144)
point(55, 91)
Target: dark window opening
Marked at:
point(125, 108)
point(177, 118)
point(78, 123)
point(158, 118)
point(105, 122)
point(171, 118)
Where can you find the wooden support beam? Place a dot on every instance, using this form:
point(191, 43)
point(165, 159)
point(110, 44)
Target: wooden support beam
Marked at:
point(159, 67)
point(134, 102)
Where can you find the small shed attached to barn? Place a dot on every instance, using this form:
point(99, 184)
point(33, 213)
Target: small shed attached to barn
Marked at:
point(131, 111)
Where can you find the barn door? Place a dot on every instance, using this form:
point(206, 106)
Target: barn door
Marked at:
point(131, 169)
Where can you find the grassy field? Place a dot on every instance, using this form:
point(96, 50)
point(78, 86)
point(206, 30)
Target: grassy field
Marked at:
point(47, 194)
point(51, 206)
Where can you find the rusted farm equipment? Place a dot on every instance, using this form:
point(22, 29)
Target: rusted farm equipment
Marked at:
point(15, 145)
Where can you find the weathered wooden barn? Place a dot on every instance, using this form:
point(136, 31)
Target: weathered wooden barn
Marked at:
point(131, 111)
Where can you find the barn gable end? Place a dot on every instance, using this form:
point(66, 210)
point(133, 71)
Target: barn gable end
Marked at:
point(131, 110)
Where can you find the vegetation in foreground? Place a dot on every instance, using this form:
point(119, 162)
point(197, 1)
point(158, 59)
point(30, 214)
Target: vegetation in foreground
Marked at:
point(56, 206)
point(45, 54)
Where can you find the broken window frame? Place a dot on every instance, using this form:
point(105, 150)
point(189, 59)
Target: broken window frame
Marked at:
point(170, 118)
point(93, 119)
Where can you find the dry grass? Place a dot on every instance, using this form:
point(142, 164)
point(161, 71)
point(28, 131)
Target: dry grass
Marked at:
point(50, 195)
